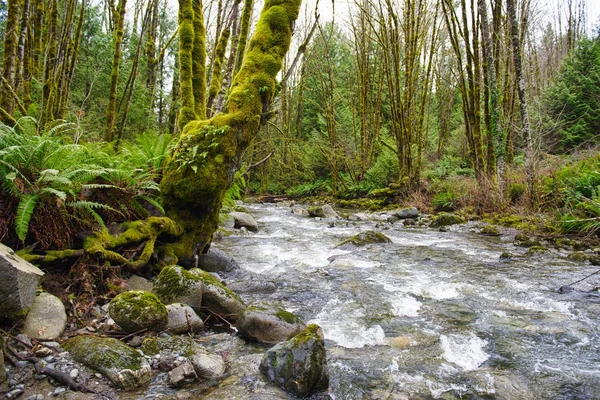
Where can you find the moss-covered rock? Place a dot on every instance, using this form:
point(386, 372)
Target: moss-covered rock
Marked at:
point(325, 211)
point(523, 240)
point(244, 220)
point(135, 310)
point(298, 365)
point(124, 366)
point(489, 230)
point(536, 250)
point(217, 298)
point(175, 284)
point(446, 219)
point(363, 239)
point(579, 256)
point(268, 324)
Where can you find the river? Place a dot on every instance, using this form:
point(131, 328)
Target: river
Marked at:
point(433, 314)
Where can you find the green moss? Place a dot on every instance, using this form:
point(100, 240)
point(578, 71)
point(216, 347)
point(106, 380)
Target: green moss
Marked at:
point(311, 332)
point(208, 279)
point(537, 249)
point(365, 238)
point(172, 282)
point(489, 230)
point(135, 310)
point(287, 316)
point(578, 256)
point(180, 345)
point(445, 219)
point(96, 352)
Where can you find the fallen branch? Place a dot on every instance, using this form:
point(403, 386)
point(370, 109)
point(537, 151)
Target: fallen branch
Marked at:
point(60, 376)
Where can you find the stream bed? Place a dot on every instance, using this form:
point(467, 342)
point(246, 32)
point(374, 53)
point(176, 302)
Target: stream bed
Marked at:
point(432, 314)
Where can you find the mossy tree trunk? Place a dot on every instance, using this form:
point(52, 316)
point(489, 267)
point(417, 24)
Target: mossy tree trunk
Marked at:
point(111, 115)
point(208, 154)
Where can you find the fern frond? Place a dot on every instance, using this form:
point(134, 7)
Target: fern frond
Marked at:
point(151, 201)
point(93, 205)
point(24, 213)
point(58, 193)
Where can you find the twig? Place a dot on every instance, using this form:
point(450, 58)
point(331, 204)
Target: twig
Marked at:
point(219, 317)
point(124, 338)
point(60, 376)
point(583, 279)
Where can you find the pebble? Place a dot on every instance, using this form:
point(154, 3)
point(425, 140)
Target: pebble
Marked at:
point(50, 359)
point(22, 364)
point(44, 352)
point(58, 391)
point(13, 394)
point(74, 373)
point(36, 397)
point(52, 345)
point(98, 375)
point(25, 339)
point(40, 377)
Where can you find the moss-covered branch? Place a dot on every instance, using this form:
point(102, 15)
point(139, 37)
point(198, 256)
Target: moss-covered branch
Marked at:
point(209, 152)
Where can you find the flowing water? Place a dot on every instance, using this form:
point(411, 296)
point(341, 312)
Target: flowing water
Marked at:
point(433, 314)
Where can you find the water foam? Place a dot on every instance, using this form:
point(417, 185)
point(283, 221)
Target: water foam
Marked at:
point(340, 322)
point(466, 351)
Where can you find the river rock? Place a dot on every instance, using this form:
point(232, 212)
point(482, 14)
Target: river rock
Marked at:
point(253, 286)
point(244, 220)
point(47, 319)
point(297, 210)
point(325, 211)
point(217, 298)
point(227, 221)
point(206, 365)
point(298, 365)
point(136, 310)
point(489, 230)
point(175, 284)
point(182, 374)
point(136, 282)
point(405, 213)
point(523, 240)
point(183, 319)
point(444, 219)
point(18, 284)
point(124, 366)
point(363, 239)
point(216, 260)
point(268, 324)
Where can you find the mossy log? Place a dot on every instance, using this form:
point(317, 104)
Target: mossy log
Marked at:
point(208, 154)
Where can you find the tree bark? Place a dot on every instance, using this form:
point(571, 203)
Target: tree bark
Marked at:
point(209, 152)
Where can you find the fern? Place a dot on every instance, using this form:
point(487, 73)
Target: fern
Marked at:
point(152, 201)
point(24, 213)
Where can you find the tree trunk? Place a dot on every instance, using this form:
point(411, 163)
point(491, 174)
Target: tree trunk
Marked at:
point(111, 116)
point(209, 152)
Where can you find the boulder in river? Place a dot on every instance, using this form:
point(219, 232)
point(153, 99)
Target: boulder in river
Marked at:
point(298, 365)
point(216, 260)
point(363, 239)
point(183, 319)
point(135, 310)
point(523, 240)
point(268, 324)
point(405, 213)
point(325, 211)
point(217, 297)
point(18, 284)
point(489, 230)
point(444, 219)
point(175, 284)
point(47, 319)
point(244, 220)
point(124, 366)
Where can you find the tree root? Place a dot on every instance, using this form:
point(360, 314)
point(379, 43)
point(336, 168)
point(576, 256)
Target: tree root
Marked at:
point(104, 245)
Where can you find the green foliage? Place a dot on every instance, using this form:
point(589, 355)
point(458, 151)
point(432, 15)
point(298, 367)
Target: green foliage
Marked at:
point(310, 189)
point(78, 184)
point(445, 201)
point(572, 103)
point(516, 191)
